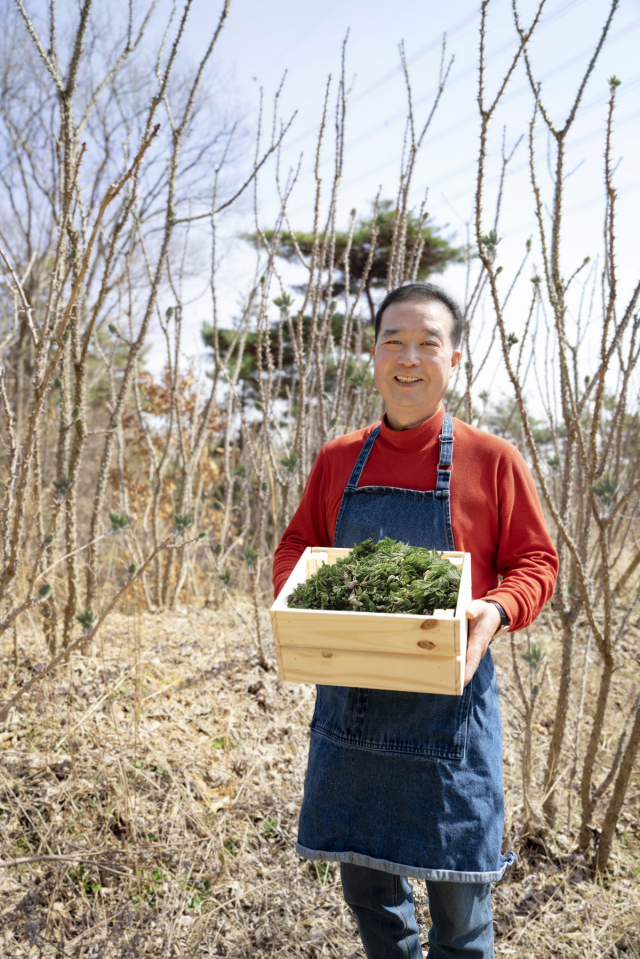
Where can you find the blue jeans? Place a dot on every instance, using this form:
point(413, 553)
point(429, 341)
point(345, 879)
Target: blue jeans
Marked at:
point(383, 906)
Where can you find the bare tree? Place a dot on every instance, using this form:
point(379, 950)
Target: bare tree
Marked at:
point(584, 456)
point(101, 163)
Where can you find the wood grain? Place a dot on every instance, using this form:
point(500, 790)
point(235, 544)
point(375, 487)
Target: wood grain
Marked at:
point(384, 632)
point(371, 670)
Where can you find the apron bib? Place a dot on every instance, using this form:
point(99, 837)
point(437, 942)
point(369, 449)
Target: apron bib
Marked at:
point(410, 783)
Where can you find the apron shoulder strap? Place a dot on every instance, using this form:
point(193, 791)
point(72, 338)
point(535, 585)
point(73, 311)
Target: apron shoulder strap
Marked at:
point(445, 464)
point(361, 462)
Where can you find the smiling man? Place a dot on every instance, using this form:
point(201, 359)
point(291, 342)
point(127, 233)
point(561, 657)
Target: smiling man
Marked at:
point(406, 784)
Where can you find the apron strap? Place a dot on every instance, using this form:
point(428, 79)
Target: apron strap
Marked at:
point(444, 465)
point(446, 455)
point(361, 462)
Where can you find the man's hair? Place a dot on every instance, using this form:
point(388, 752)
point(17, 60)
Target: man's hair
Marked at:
point(424, 291)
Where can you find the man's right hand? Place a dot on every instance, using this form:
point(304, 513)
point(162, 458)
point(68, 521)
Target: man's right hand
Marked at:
point(484, 623)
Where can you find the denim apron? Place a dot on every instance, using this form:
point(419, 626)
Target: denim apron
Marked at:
point(410, 783)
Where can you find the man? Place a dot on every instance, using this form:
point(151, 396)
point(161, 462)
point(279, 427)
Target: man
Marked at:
point(406, 784)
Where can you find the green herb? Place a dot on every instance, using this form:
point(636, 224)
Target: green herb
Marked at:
point(387, 577)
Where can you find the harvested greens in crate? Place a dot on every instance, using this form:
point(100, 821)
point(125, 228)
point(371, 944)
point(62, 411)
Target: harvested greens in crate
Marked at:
point(384, 577)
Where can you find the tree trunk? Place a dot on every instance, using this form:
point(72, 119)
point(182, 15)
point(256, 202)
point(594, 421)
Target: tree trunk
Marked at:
point(586, 788)
point(559, 722)
point(603, 850)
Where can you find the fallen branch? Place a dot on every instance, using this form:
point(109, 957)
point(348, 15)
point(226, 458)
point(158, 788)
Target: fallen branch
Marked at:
point(23, 860)
point(87, 637)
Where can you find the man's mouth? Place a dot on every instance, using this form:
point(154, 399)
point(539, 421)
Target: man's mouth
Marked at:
point(408, 379)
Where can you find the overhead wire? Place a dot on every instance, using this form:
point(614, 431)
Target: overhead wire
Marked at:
point(414, 58)
point(511, 95)
point(469, 165)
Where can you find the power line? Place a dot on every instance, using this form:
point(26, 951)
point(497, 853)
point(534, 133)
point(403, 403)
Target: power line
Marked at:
point(388, 76)
point(469, 165)
point(585, 138)
point(277, 59)
point(459, 26)
point(469, 118)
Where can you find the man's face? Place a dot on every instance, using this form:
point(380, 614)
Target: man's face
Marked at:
point(413, 360)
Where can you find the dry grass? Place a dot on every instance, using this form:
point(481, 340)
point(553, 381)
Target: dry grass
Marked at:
point(160, 780)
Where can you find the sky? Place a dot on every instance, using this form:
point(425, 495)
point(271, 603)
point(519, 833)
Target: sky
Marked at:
point(261, 40)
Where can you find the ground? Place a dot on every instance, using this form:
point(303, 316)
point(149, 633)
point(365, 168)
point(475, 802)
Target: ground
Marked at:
point(151, 789)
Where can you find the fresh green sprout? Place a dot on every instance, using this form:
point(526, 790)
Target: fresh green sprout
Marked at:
point(533, 656)
point(250, 556)
point(86, 620)
point(183, 521)
point(269, 827)
point(490, 242)
point(62, 487)
point(606, 489)
point(119, 521)
point(289, 462)
point(284, 302)
point(358, 378)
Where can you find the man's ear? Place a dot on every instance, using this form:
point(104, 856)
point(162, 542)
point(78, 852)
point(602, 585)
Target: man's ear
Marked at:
point(455, 358)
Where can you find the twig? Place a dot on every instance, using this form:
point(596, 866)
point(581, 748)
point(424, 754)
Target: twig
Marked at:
point(119, 870)
point(87, 637)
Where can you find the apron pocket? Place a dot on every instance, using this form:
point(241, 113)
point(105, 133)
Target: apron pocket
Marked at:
point(389, 721)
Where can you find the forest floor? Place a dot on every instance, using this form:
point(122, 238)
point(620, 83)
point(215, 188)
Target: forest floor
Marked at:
point(149, 795)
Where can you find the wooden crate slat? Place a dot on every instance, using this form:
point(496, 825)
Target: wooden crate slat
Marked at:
point(372, 670)
point(317, 559)
point(390, 632)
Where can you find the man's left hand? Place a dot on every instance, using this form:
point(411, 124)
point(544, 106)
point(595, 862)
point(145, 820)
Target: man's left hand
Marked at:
point(484, 623)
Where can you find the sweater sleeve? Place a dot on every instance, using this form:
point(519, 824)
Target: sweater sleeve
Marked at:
point(308, 526)
point(526, 560)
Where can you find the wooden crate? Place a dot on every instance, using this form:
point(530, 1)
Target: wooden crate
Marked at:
point(423, 654)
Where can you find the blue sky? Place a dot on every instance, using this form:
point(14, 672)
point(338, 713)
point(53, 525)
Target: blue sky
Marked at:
point(263, 39)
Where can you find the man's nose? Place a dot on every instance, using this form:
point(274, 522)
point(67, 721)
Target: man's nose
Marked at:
point(409, 355)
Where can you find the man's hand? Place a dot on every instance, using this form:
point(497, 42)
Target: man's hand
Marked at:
point(484, 622)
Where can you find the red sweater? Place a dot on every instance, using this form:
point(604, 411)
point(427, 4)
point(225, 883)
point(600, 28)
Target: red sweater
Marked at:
point(495, 510)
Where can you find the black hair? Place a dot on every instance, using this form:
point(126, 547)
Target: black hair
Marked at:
point(424, 291)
